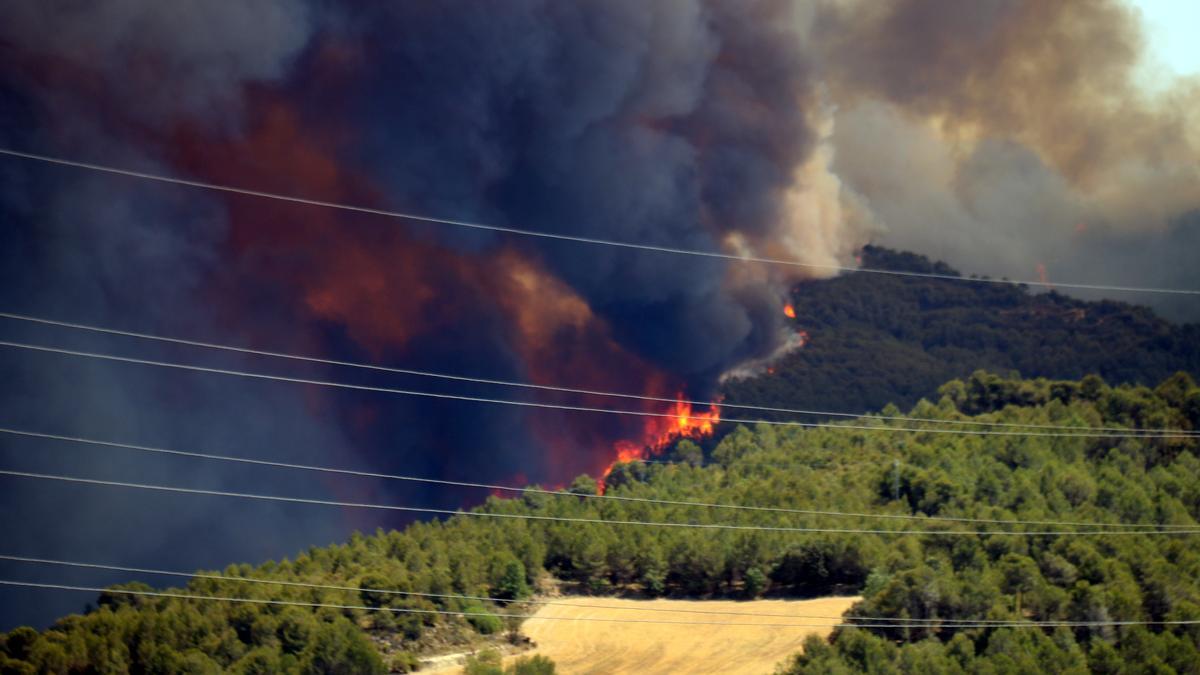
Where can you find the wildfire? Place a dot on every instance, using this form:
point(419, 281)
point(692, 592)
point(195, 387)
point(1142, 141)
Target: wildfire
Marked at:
point(660, 432)
point(1041, 272)
point(789, 311)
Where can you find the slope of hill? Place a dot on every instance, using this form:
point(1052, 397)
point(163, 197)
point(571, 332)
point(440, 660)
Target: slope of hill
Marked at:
point(876, 339)
point(932, 574)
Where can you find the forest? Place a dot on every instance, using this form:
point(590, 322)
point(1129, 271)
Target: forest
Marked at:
point(401, 592)
point(874, 339)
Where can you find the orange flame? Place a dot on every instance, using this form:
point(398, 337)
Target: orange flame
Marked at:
point(681, 422)
point(789, 311)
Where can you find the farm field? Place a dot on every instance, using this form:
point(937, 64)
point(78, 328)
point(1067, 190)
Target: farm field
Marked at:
point(599, 647)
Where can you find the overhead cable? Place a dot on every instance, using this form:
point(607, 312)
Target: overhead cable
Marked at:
point(562, 389)
point(446, 612)
point(229, 189)
point(502, 601)
point(590, 521)
point(577, 408)
point(562, 493)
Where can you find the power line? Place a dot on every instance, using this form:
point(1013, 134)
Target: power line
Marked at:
point(401, 610)
point(360, 589)
point(505, 601)
point(573, 238)
point(573, 408)
point(408, 610)
point(592, 521)
point(560, 389)
point(560, 493)
point(453, 596)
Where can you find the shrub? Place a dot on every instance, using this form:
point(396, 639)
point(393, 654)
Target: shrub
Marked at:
point(482, 620)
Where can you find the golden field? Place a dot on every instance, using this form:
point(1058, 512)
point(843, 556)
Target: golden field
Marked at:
point(725, 644)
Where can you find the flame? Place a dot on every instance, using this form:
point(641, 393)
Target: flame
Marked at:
point(1041, 272)
point(789, 311)
point(660, 432)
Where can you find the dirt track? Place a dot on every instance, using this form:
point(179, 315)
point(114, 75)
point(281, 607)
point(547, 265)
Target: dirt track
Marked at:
point(599, 647)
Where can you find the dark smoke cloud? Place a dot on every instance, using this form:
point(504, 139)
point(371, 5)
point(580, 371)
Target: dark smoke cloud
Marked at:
point(87, 79)
point(158, 59)
point(128, 255)
point(663, 123)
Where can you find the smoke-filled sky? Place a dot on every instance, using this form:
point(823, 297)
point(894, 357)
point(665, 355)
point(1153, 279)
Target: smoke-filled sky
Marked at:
point(997, 135)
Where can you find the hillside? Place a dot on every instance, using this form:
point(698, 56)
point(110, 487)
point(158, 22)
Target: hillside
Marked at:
point(875, 339)
point(932, 575)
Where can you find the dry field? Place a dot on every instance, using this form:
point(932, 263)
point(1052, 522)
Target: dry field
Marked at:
point(721, 647)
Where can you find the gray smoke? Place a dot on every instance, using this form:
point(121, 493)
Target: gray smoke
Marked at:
point(157, 59)
point(1003, 135)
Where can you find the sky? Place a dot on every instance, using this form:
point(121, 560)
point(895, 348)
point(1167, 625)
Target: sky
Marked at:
point(1171, 33)
point(776, 128)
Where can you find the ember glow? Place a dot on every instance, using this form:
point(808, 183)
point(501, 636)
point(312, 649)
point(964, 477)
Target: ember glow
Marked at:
point(661, 432)
point(789, 311)
point(1041, 272)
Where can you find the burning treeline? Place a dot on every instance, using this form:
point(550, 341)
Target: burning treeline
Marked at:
point(679, 421)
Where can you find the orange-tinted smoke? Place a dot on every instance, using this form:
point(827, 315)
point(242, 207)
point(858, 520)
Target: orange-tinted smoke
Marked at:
point(386, 287)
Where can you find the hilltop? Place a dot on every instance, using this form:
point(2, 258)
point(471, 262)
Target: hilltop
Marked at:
point(875, 339)
point(931, 574)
